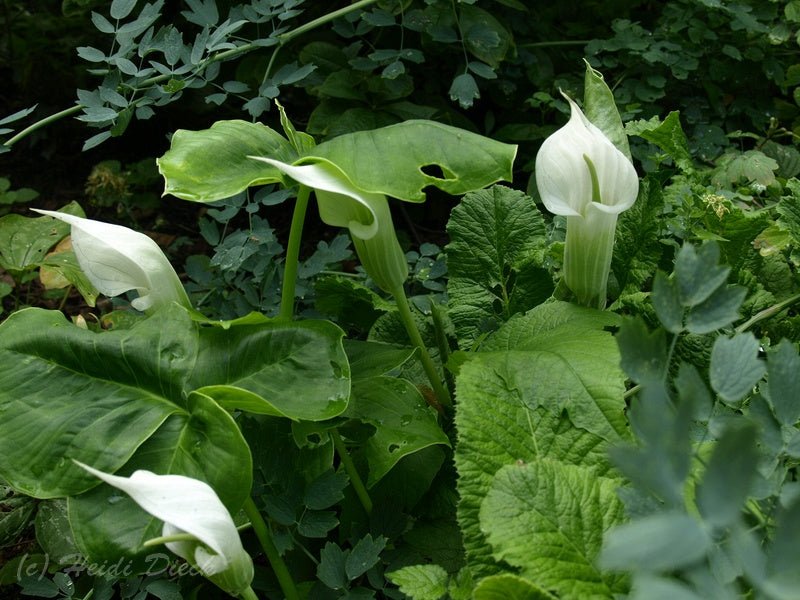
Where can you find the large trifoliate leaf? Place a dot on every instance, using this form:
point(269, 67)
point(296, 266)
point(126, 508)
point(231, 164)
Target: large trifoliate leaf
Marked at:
point(395, 161)
point(547, 519)
point(495, 235)
point(548, 386)
point(66, 392)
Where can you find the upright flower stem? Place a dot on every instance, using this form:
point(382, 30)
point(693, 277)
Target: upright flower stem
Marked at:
point(293, 253)
point(248, 594)
point(355, 479)
point(413, 332)
point(276, 562)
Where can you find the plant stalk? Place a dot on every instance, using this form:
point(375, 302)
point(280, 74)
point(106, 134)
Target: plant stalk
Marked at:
point(276, 562)
point(293, 253)
point(416, 338)
point(350, 468)
point(248, 594)
point(767, 313)
point(243, 49)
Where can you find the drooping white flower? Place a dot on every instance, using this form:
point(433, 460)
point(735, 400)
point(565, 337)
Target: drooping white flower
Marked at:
point(581, 175)
point(365, 214)
point(117, 259)
point(187, 505)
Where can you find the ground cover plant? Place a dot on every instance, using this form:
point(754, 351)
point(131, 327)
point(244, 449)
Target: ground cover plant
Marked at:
point(589, 388)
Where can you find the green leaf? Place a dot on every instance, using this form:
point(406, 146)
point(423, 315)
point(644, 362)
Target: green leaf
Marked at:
point(349, 302)
point(420, 582)
point(212, 164)
point(204, 442)
point(121, 8)
point(24, 241)
point(660, 542)
point(782, 558)
point(54, 533)
point(697, 273)
point(330, 569)
point(293, 369)
point(509, 587)
point(643, 354)
point(404, 423)
point(637, 250)
point(371, 359)
point(574, 360)
point(667, 302)
point(735, 366)
point(96, 397)
point(325, 490)
point(68, 393)
point(600, 108)
point(65, 265)
point(484, 36)
point(667, 135)
point(783, 378)
point(493, 233)
point(717, 311)
point(511, 404)
point(464, 90)
point(393, 160)
point(364, 555)
point(726, 482)
point(547, 519)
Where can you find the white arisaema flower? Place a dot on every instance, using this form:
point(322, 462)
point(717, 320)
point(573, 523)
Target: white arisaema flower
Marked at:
point(117, 259)
point(365, 214)
point(581, 175)
point(190, 506)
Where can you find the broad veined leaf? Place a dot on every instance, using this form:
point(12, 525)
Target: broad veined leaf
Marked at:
point(494, 234)
point(204, 444)
point(66, 392)
point(24, 241)
point(370, 359)
point(404, 422)
point(212, 164)
point(401, 160)
point(547, 519)
point(96, 397)
point(563, 356)
point(292, 369)
point(506, 413)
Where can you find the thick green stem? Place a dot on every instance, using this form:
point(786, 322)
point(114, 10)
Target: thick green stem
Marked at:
point(276, 562)
point(293, 253)
point(248, 594)
point(355, 479)
point(587, 256)
point(413, 332)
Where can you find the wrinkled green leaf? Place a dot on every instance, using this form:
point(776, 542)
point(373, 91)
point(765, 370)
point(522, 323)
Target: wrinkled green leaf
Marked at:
point(547, 519)
point(509, 587)
point(493, 233)
point(420, 582)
